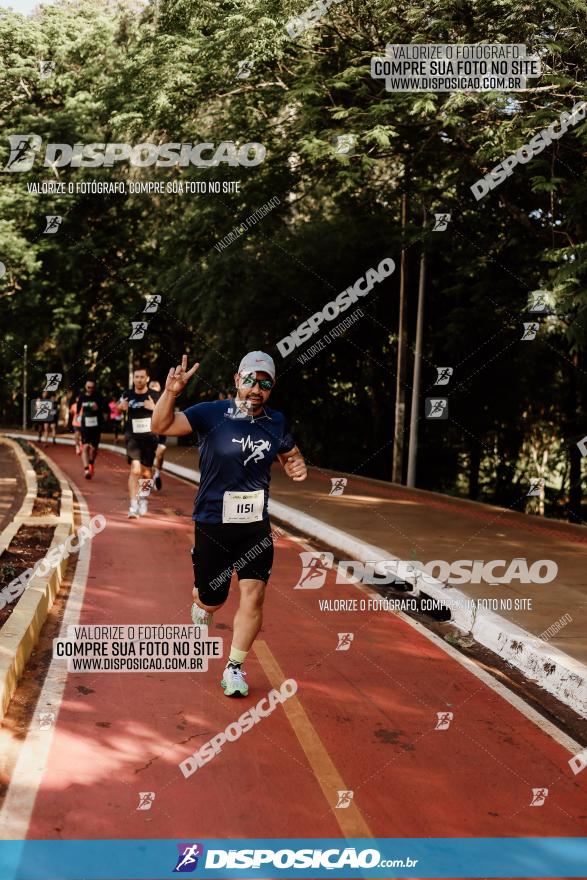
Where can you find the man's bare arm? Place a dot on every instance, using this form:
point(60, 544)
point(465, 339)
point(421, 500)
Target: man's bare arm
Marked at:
point(164, 420)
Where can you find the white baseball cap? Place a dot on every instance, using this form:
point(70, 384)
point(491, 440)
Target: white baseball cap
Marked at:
point(257, 362)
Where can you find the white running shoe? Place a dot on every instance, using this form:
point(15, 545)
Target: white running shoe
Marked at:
point(133, 510)
point(233, 682)
point(143, 507)
point(200, 617)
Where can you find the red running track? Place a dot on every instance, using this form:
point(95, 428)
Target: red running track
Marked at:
point(364, 718)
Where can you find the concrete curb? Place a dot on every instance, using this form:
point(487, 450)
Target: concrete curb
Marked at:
point(547, 666)
point(26, 507)
point(20, 633)
point(552, 669)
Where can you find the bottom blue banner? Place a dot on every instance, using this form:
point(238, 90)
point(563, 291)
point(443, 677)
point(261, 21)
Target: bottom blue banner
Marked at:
point(284, 857)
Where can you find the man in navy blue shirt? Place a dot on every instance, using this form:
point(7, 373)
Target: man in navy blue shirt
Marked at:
point(239, 440)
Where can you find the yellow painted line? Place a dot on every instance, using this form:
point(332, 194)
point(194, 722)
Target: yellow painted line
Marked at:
point(350, 819)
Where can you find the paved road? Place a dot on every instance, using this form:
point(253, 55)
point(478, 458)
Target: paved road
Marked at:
point(362, 720)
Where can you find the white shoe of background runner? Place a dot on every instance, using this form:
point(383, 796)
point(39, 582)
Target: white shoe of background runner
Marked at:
point(143, 506)
point(133, 510)
point(200, 617)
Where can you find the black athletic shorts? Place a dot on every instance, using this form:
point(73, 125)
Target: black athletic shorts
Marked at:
point(222, 547)
point(161, 440)
point(91, 436)
point(141, 450)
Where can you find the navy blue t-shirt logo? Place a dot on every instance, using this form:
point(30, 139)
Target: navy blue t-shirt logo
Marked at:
point(258, 447)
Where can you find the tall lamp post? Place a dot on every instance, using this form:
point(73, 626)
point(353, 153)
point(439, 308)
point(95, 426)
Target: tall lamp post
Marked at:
point(24, 388)
point(415, 410)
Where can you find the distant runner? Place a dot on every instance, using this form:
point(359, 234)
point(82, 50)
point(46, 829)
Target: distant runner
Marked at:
point(115, 419)
point(91, 410)
point(50, 425)
point(76, 426)
point(239, 440)
point(154, 385)
point(141, 443)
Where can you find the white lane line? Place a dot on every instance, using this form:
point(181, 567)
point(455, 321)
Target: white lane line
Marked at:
point(31, 763)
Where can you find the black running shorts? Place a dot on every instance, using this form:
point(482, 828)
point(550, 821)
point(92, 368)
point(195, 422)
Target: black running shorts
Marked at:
point(91, 436)
point(162, 439)
point(219, 548)
point(141, 450)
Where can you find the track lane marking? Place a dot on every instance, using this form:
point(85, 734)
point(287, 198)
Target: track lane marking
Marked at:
point(31, 764)
point(350, 820)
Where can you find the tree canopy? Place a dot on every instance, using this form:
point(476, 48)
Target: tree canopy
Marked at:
point(193, 71)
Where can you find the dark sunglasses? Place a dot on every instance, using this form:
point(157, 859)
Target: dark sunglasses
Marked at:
point(249, 381)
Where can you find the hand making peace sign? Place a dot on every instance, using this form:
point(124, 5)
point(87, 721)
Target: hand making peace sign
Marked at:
point(179, 376)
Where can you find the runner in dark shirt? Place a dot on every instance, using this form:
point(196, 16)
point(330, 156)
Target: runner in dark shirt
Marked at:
point(239, 440)
point(141, 443)
point(90, 409)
